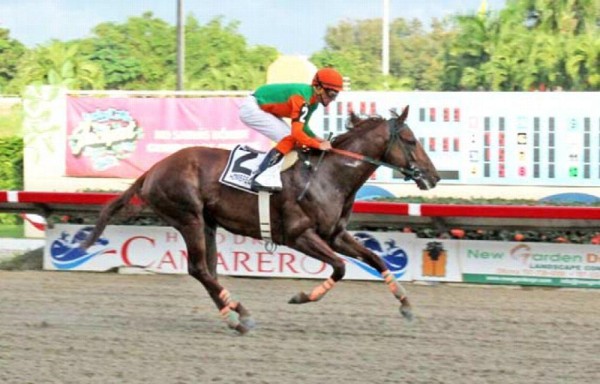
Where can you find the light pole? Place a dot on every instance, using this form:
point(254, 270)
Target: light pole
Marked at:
point(385, 47)
point(180, 45)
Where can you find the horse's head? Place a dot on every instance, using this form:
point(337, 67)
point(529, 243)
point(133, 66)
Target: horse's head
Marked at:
point(406, 152)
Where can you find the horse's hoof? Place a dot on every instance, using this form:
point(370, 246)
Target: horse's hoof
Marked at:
point(299, 298)
point(407, 313)
point(241, 329)
point(248, 322)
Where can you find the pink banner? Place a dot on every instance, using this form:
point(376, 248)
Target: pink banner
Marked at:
point(123, 137)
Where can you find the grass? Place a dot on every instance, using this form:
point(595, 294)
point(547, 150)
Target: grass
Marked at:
point(13, 231)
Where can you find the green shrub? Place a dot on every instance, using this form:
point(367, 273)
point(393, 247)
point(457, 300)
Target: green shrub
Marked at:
point(11, 171)
point(11, 120)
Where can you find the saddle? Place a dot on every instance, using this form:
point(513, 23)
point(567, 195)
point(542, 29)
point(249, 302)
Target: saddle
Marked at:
point(243, 161)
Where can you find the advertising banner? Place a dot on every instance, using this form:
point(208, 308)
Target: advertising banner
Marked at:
point(123, 137)
point(565, 265)
point(162, 250)
point(436, 260)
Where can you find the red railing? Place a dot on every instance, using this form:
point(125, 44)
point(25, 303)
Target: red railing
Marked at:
point(364, 212)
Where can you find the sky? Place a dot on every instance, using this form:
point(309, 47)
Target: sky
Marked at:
point(293, 27)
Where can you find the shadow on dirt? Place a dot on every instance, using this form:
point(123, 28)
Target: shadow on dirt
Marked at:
point(29, 261)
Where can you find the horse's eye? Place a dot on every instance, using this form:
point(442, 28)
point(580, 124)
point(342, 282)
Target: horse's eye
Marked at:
point(408, 137)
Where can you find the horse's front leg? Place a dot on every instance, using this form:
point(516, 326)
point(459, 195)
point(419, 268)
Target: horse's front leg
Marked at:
point(347, 245)
point(312, 245)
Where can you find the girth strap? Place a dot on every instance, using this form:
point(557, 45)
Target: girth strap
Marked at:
point(264, 215)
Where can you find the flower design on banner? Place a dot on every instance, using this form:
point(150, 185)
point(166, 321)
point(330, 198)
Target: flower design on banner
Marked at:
point(105, 137)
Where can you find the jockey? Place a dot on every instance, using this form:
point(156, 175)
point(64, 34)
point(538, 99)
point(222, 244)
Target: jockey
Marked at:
point(265, 109)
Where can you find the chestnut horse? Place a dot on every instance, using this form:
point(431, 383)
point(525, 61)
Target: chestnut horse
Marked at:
point(310, 214)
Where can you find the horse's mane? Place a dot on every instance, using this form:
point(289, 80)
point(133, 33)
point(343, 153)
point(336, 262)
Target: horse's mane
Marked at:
point(357, 127)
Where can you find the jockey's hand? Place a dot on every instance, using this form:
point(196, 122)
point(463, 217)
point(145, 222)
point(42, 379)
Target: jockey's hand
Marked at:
point(324, 145)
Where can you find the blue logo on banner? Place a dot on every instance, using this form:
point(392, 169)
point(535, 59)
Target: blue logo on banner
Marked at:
point(394, 257)
point(66, 253)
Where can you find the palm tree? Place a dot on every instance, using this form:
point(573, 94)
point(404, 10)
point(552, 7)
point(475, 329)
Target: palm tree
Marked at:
point(583, 62)
point(473, 46)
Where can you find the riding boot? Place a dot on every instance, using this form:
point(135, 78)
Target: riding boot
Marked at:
point(270, 159)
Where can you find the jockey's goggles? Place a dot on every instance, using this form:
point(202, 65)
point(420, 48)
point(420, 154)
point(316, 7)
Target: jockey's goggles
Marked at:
point(332, 93)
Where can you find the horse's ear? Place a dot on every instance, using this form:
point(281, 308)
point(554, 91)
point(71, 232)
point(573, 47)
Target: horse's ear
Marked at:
point(404, 115)
point(354, 119)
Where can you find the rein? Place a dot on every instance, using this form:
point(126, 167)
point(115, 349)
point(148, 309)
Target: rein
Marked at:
point(366, 159)
point(409, 172)
point(303, 193)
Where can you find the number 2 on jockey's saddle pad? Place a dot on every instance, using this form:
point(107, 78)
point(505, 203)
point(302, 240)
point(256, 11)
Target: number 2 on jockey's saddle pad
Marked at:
point(243, 161)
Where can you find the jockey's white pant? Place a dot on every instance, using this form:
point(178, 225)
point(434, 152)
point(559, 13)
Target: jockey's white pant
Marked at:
point(275, 128)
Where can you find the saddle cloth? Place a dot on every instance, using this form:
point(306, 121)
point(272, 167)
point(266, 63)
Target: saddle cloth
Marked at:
point(243, 161)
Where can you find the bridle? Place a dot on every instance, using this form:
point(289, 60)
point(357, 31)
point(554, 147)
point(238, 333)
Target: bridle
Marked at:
point(410, 173)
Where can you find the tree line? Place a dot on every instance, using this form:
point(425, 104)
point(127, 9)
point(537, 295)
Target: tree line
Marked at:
point(528, 45)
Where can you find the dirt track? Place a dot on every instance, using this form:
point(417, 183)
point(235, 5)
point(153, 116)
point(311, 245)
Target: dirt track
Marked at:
point(109, 328)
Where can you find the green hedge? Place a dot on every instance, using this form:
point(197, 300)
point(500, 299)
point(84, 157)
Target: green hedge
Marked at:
point(11, 171)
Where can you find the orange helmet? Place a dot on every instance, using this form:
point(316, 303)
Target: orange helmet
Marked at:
point(328, 78)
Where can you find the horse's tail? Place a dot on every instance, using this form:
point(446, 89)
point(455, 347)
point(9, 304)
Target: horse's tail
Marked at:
point(110, 209)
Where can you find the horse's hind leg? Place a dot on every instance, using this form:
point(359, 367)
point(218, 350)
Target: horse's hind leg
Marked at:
point(195, 240)
point(210, 232)
point(174, 197)
point(347, 245)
